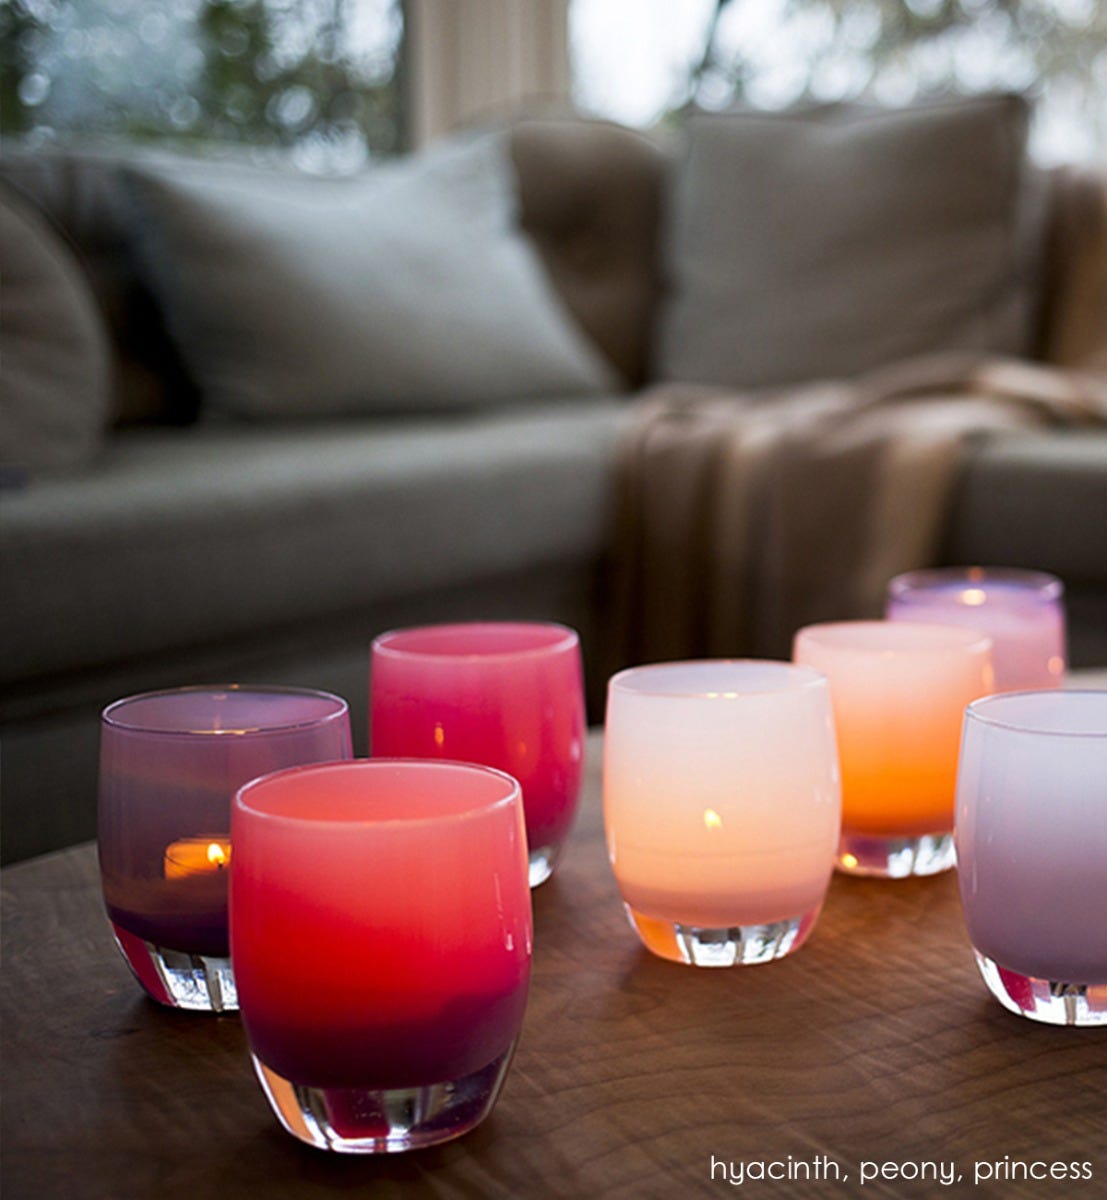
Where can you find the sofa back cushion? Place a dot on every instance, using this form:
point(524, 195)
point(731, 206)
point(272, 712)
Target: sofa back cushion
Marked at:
point(824, 242)
point(590, 198)
point(79, 192)
point(55, 379)
point(406, 288)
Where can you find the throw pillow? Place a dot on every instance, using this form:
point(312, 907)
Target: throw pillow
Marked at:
point(405, 288)
point(825, 242)
point(55, 373)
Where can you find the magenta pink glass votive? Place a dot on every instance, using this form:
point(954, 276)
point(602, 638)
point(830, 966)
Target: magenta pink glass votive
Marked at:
point(505, 694)
point(170, 764)
point(381, 932)
point(1023, 612)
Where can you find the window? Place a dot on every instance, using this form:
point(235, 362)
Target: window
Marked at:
point(639, 60)
point(317, 77)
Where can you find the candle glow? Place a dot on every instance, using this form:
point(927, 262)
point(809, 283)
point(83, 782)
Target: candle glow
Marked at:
point(208, 854)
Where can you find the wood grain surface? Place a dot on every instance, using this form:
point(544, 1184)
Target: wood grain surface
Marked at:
point(876, 1042)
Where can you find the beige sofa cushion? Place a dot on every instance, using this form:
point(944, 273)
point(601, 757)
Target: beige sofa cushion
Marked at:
point(1074, 307)
point(590, 199)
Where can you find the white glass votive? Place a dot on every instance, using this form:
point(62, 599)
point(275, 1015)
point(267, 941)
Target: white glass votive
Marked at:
point(899, 690)
point(1031, 831)
point(722, 806)
point(1023, 612)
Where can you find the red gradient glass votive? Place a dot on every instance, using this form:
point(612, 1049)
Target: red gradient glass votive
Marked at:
point(170, 763)
point(381, 934)
point(508, 695)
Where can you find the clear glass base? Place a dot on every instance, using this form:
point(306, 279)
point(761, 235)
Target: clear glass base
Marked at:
point(730, 946)
point(895, 858)
point(196, 982)
point(1051, 1001)
point(542, 863)
point(383, 1120)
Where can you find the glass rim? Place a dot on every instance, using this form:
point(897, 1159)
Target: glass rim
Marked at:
point(338, 708)
point(1041, 586)
point(975, 711)
point(514, 793)
point(804, 677)
point(960, 637)
point(383, 644)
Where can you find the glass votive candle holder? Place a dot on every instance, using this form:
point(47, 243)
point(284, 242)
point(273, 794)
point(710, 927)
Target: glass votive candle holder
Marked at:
point(505, 694)
point(1031, 832)
point(721, 806)
point(1023, 612)
point(381, 935)
point(899, 690)
point(170, 763)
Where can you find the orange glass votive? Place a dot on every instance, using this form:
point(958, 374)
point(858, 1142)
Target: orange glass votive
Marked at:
point(899, 690)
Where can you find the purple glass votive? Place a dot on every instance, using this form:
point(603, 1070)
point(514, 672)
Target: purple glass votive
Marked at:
point(170, 764)
point(1022, 611)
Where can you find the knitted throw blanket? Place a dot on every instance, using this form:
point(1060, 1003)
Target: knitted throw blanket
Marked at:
point(741, 517)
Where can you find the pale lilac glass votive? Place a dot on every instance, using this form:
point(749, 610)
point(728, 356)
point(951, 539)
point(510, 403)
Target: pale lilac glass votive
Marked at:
point(503, 694)
point(1031, 834)
point(170, 764)
point(898, 689)
point(1023, 612)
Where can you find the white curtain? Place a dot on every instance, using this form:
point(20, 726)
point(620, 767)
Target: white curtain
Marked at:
point(470, 60)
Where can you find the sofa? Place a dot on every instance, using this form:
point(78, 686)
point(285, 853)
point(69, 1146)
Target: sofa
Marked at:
point(231, 511)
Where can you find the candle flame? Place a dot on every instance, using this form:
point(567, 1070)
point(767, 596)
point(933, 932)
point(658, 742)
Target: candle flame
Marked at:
point(849, 861)
point(439, 734)
point(206, 854)
point(711, 819)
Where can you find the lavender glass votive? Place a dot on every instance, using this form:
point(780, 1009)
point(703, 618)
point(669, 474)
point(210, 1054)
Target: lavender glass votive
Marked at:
point(1021, 611)
point(1031, 832)
point(170, 764)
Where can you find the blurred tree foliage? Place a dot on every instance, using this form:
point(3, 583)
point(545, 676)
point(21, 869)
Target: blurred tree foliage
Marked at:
point(321, 77)
point(901, 49)
point(19, 27)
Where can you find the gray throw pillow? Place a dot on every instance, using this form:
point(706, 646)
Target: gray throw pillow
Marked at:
point(824, 242)
point(55, 367)
point(407, 287)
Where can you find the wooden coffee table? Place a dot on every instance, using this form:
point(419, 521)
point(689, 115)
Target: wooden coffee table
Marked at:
point(875, 1042)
